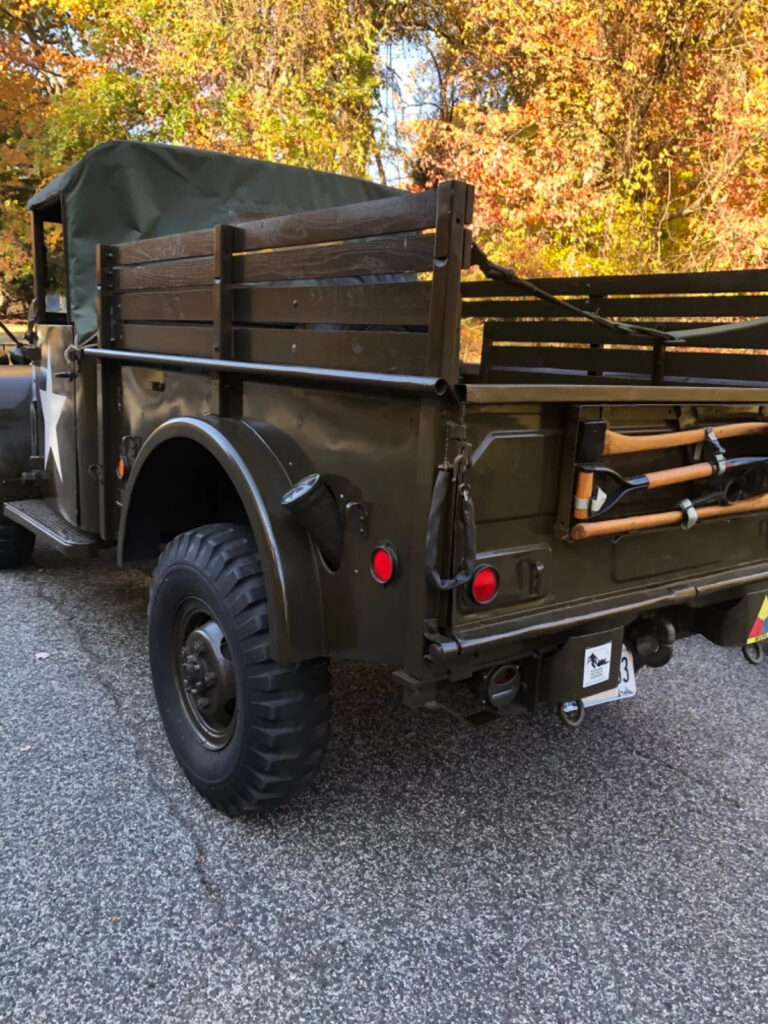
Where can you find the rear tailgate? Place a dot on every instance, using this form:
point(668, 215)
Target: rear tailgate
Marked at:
point(522, 478)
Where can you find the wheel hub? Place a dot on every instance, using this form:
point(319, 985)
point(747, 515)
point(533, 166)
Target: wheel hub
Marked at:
point(206, 676)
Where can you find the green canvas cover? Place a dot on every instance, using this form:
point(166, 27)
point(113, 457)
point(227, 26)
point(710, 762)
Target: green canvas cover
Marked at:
point(122, 191)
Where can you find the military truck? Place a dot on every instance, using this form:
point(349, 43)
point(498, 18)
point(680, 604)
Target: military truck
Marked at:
point(253, 375)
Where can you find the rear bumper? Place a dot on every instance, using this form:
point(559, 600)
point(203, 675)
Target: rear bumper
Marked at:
point(479, 647)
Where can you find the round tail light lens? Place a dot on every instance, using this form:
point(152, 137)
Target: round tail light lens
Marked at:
point(383, 564)
point(485, 584)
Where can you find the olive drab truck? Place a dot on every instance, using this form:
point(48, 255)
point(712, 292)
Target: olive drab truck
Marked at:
point(251, 375)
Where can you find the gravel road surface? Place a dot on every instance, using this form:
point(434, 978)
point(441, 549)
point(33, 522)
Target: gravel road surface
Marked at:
point(436, 873)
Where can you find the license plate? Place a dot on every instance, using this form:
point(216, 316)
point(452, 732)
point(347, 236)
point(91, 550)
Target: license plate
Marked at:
point(626, 686)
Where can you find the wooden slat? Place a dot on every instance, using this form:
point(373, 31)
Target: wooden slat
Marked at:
point(589, 369)
point(594, 359)
point(170, 274)
point(585, 331)
point(167, 247)
point(733, 366)
point(736, 366)
point(394, 304)
point(408, 254)
point(534, 375)
point(193, 304)
point(370, 351)
point(666, 306)
point(176, 339)
point(409, 212)
point(705, 283)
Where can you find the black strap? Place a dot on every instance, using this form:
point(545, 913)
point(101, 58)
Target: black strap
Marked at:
point(495, 272)
point(440, 494)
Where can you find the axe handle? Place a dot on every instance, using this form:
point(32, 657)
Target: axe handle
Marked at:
point(622, 444)
point(584, 531)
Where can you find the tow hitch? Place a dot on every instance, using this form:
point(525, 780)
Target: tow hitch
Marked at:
point(572, 712)
point(753, 653)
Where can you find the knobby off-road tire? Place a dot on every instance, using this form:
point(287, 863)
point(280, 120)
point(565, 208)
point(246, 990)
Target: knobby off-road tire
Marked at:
point(16, 544)
point(248, 732)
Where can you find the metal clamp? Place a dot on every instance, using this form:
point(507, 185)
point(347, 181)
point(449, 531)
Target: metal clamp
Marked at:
point(690, 515)
point(718, 452)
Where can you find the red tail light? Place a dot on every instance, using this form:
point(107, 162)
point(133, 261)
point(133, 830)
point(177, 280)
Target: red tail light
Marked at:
point(383, 564)
point(485, 584)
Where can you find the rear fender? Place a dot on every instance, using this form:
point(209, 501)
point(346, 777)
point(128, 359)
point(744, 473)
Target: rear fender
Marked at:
point(259, 479)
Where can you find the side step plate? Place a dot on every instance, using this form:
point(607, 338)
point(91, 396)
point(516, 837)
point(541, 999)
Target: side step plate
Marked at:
point(39, 517)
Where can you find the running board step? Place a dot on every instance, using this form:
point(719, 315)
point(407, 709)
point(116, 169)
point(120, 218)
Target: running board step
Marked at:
point(39, 517)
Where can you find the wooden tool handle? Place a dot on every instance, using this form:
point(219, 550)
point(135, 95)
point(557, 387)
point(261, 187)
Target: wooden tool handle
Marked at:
point(584, 484)
point(584, 531)
point(679, 475)
point(622, 444)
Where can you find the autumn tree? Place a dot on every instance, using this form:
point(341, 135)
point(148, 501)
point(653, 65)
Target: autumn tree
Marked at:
point(601, 136)
point(292, 81)
point(38, 61)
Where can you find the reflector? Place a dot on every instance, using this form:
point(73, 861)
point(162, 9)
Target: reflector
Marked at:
point(485, 583)
point(382, 565)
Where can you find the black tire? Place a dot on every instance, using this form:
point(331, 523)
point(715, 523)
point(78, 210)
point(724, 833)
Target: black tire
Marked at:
point(209, 652)
point(16, 544)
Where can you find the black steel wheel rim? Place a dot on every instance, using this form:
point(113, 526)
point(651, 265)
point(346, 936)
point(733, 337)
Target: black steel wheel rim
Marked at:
point(204, 674)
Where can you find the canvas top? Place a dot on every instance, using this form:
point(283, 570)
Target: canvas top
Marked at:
point(122, 191)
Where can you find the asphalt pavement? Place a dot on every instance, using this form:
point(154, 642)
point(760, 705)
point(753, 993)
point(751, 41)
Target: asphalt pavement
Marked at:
point(435, 873)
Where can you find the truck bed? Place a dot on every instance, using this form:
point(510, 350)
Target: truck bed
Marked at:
point(341, 330)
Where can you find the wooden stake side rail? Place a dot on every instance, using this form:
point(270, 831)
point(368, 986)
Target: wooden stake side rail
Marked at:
point(289, 274)
point(527, 339)
point(411, 253)
point(653, 306)
point(586, 334)
point(597, 364)
point(402, 304)
point(697, 283)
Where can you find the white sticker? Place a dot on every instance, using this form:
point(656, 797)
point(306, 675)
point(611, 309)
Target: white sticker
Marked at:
point(597, 665)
